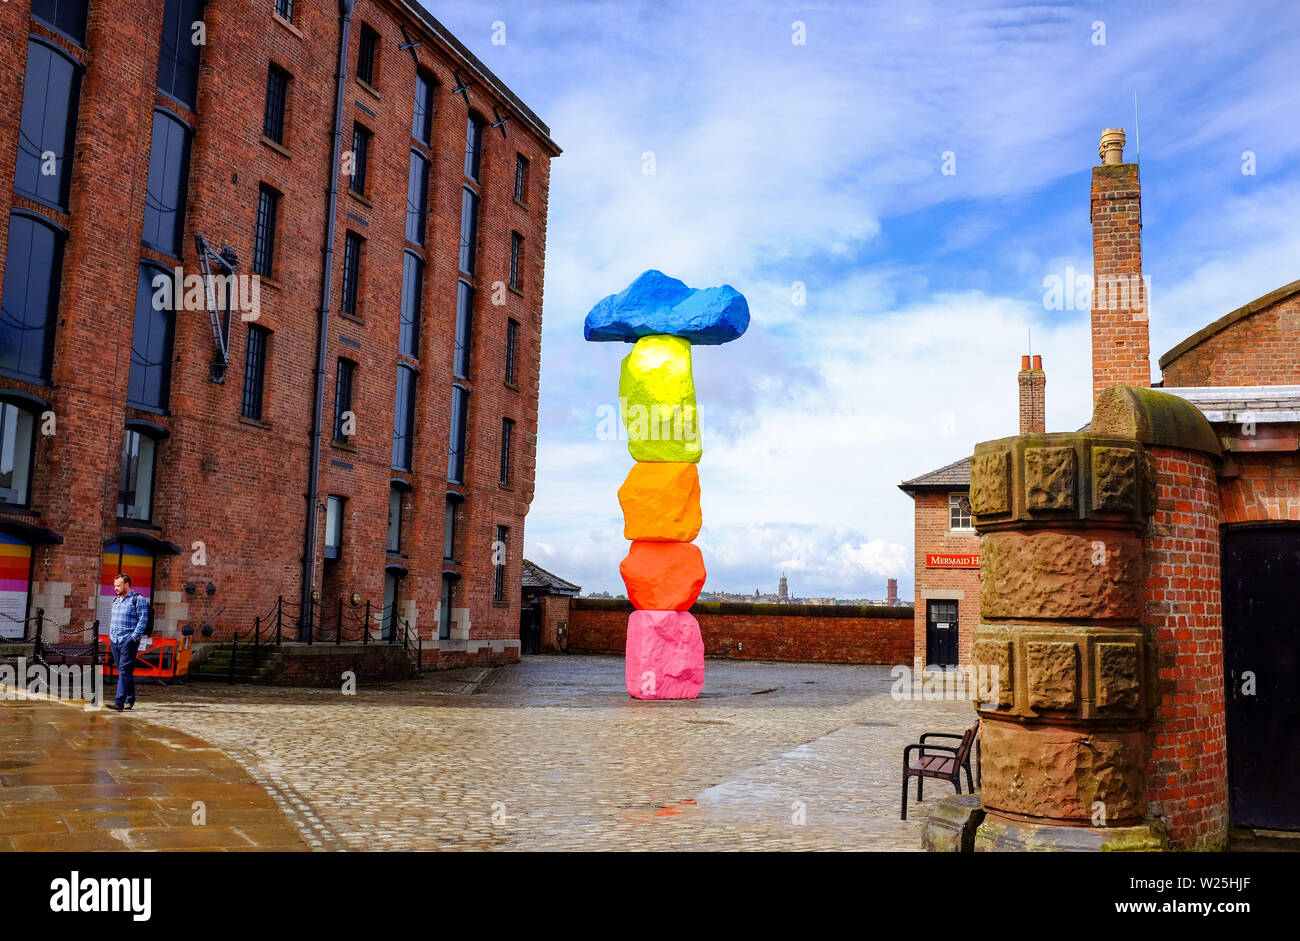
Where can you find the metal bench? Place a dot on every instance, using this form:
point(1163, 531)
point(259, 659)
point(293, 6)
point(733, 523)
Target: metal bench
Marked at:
point(944, 762)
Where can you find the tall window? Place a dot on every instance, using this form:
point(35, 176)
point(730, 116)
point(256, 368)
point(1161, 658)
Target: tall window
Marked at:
point(959, 516)
point(268, 204)
point(169, 168)
point(33, 270)
point(47, 134)
point(464, 322)
point(449, 531)
point(351, 272)
point(507, 432)
point(135, 499)
point(408, 340)
point(178, 61)
point(468, 230)
point(512, 339)
point(516, 250)
point(254, 372)
point(456, 451)
point(417, 198)
point(499, 573)
point(16, 453)
point(285, 9)
point(473, 147)
point(277, 98)
point(404, 418)
point(151, 345)
point(394, 519)
point(422, 117)
point(67, 16)
point(521, 177)
point(333, 526)
point(360, 158)
point(368, 54)
point(343, 399)
point(444, 608)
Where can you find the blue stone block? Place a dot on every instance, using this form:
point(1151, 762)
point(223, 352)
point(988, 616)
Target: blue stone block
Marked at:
point(656, 305)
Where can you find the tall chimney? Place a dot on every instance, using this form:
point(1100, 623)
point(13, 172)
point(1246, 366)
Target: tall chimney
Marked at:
point(891, 596)
point(1121, 348)
point(1033, 388)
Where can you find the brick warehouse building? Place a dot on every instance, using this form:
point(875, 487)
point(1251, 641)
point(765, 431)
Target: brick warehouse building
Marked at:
point(421, 209)
point(1136, 580)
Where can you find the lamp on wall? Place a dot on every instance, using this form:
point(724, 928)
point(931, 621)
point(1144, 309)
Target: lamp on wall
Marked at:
point(356, 598)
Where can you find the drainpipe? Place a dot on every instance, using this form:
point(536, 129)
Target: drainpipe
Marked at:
point(327, 278)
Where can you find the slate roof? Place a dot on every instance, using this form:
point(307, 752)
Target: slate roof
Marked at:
point(954, 476)
point(1235, 404)
point(538, 579)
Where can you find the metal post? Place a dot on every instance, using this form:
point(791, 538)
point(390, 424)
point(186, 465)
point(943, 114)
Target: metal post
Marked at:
point(365, 636)
point(311, 616)
point(94, 659)
point(257, 642)
point(279, 618)
point(234, 651)
point(40, 625)
point(338, 628)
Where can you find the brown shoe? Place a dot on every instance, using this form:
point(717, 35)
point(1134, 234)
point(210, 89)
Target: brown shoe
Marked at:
point(130, 705)
point(116, 706)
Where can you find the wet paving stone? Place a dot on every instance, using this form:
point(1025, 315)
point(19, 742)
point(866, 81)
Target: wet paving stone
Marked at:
point(552, 754)
point(86, 780)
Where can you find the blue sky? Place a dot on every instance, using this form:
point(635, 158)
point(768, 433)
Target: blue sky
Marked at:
point(822, 163)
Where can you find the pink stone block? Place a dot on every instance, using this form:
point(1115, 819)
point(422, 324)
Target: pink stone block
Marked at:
point(665, 655)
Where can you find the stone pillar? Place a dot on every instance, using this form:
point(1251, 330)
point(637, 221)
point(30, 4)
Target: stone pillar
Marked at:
point(1069, 688)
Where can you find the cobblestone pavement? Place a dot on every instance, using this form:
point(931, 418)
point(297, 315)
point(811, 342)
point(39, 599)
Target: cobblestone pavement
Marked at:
point(82, 780)
point(552, 753)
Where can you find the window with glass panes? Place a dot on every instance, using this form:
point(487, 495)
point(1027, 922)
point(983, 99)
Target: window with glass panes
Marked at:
point(164, 200)
point(334, 526)
point(512, 338)
point(351, 272)
point(368, 54)
point(16, 453)
point(507, 432)
point(456, 448)
point(499, 573)
point(135, 496)
point(464, 322)
point(959, 516)
point(285, 9)
point(360, 158)
point(268, 205)
point(30, 300)
point(254, 372)
point(51, 90)
point(404, 418)
point(149, 380)
point(343, 398)
point(449, 531)
point(277, 100)
point(516, 250)
point(178, 60)
point(422, 116)
point(417, 198)
point(468, 230)
point(408, 337)
point(67, 16)
point(395, 519)
point(473, 147)
point(521, 177)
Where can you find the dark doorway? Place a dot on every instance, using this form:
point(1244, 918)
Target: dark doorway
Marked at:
point(530, 628)
point(941, 633)
point(1261, 654)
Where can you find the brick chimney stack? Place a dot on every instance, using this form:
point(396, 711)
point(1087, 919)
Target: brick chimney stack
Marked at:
point(891, 596)
point(1033, 389)
point(1121, 348)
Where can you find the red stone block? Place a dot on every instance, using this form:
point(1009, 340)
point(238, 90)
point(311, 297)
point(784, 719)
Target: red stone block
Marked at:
point(663, 576)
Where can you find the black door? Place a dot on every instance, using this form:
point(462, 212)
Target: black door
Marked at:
point(1261, 637)
point(941, 633)
point(530, 628)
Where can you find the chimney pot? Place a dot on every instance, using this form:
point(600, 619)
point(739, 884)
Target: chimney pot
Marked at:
point(1111, 148)
point(1024, 362)
point(1038, 362)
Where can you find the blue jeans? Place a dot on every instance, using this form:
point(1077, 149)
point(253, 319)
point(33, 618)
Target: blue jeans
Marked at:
point(124, 660)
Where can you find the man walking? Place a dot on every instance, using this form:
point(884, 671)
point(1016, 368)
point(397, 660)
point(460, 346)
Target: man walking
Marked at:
point(130, 618)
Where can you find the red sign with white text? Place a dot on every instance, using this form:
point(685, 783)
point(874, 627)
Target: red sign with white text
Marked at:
point(940, 560)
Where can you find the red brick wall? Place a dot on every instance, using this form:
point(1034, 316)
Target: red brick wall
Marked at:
point(1033, 391)
point(1261, 349)
point(932, 535)
point(769, 635)
point(1187, 774)
point(555, 611)
point(1267, 487)
point(235, 485)
point(1120, 343)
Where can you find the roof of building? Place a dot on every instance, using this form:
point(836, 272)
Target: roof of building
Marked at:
point(948, 477)
point(525, 114)
point(1261, 404)
point(1227, 320)
point(538, 579)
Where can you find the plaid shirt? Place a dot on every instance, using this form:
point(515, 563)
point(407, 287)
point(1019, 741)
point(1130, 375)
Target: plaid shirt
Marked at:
point(130, 618)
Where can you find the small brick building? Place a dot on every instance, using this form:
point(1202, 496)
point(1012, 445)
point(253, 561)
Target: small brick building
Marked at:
point(367, 441)
point(1138, 579)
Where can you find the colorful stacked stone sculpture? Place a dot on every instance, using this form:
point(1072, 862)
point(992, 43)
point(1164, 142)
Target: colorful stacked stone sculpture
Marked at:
point(664, 570)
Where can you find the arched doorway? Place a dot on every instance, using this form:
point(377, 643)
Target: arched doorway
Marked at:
point(1261, 647)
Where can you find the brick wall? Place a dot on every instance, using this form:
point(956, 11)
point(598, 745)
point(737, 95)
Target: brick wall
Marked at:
point(793, 633)
point(1120, 343)
point(1266, 487)
point(932, 535)
point(1187, 774)
point(233, 484)
point(1261, 348)
point(1033, 392)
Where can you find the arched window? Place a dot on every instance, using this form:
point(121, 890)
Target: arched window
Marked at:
point(404, 418)
point(151, 344)
point(169, 170)
point(47, 134)
point(422, 117)
point(412, 286)
point(66, 16)
point(473, 146)
point(15, 585)
point(33, 269)
point(178, 59)
point(139, 465)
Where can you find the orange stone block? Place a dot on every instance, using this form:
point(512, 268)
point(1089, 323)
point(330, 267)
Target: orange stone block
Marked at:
point(663, 576)
point(661, 502)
